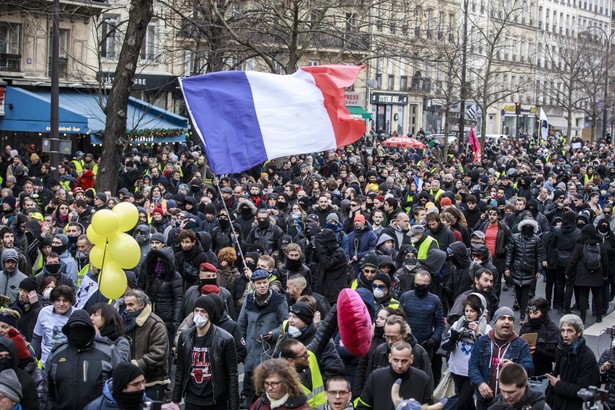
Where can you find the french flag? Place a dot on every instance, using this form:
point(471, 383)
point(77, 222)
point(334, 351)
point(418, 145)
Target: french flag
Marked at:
point(245, 118)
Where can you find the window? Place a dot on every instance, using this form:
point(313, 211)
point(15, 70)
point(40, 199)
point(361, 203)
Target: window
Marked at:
point(109, 40)
point(403, 82)
point(10, 54)
point(64, 45)
point(378, 80)
point(148, 50)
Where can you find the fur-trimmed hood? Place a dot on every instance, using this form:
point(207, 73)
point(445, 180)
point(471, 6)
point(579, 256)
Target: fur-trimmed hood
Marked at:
point(529, 221)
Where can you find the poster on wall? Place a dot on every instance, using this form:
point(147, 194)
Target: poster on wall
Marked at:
point(2, 101)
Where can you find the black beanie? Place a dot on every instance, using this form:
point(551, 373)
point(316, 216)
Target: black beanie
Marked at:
point(303, 311)
point(124, 373)
point(29, 284)
point(570, 218)
point(208, 304)
point(384, 278)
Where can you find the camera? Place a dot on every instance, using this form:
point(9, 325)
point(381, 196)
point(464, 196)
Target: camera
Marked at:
point(610, 331)
point(152, 405)
point(591, 395)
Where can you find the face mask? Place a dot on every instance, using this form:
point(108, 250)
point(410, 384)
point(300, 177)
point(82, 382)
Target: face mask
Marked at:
point(331, 226)
point(200, 321)
point(527, 230)
point(5, 363)
point(263, 224)
point(129, 400)
point(81, 256)
point(603, 192)
point(245, 211)
point(293, 264)
point(224, 224)
point(282, 205)
point(80, 336)
point(379, 332)
point(72, 239)
point(141, 239)
point(478, 260)
point(294, 331)
point(414, 239)
point(208, 281)
point(378, 293)
point(421, 290)
point(59, 249)
point(52, 268)
point(195, 188)
point(47, 293)
point(251, 266)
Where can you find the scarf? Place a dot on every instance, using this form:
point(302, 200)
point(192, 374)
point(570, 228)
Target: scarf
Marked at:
point(572, 349)
point(130, 319)
point(277, 403)
point(262, 302)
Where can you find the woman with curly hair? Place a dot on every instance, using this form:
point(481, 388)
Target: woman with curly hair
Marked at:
point(228, 273)
point(279, 386)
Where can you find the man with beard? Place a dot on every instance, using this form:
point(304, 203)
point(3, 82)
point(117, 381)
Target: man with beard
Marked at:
point(414, 382)
point(323, 209)
point(265, 233)
point(575, 367)
point(10, 276)
point(188, 260)
point(440, 232)
point(483, 285)
point(494, 350)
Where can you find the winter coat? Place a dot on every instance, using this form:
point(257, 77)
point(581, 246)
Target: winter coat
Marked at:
point(363, 241)
point(501, 240)
point(223, 367)
point(415, 384)
point(609, 376)
point(28, 386)
point(425, 316)
point(76, 376)
point(329, 273)
point(576, 266)
point(546, 345)
point(459, 279)
point(563, 241)
point(270, 238)
point(187, 263)
point(443, 235)
point(255, 320)
point(150, 347)
point(525, 255)
point(531, 400)
point(577, 369)
point(165, 289)
point(9, 283)
point(292, 403)
point(194, 292)
point(515, 350)
point(40, 381)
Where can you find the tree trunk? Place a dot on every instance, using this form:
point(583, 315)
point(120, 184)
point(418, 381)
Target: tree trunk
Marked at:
point(114, 136)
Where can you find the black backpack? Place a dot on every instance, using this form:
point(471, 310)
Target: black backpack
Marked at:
point(591, 254)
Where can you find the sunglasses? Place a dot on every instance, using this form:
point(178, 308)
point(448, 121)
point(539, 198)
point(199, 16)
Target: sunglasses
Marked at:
point(532, 309)
point(381, 287)
point(369, 270)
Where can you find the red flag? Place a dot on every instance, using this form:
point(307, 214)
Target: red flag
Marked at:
point(474, 145)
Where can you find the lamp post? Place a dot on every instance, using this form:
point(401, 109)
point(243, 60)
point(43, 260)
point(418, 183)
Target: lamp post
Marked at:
point(463, 91)
point(54, 123)
point(606, 79)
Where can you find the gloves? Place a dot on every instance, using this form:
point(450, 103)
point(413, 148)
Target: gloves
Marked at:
point(429, 343)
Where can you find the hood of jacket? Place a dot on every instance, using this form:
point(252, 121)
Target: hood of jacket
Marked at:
point(530, 222)
point(10, 252)
point(460, 253)
point(79, 317)
point(435, 260)
point(10, 347)
point(329, 240)
point(204, 239)
point(248, 203)
point(383, 238)
point(150, 263)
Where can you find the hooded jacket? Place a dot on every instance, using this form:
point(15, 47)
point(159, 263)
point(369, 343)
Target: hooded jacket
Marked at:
point(576, 266)
point(106, 401)
point(330, 260)
point(563, 241)
point(30, 400)
point(525, 254)
point(165, 287)
point(531, 400)
point(76, 375)
point(459, 280)
point(9, 283)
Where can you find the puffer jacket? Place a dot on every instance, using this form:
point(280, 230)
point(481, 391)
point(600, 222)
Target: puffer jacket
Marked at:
point(255, 321)
point(106, 401)
point(223, 362)
point(563, 241)
point(608, 377)
point(165, 288)
point(525, 255)
point(76, 376)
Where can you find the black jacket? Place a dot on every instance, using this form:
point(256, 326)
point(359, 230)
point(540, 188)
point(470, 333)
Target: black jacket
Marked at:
point(330, 266)
point(577, 369)
point(165, 288)
point(525, 255)
point(576, 266)
point(28, 387)
point(563, 241)
point(223, 362)
point(546, 345)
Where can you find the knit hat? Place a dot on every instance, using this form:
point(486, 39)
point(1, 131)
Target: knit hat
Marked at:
point(78, 190)
point(503, 311)
point(29, 284)
point(208, 209)
point(384, 278)
point(101, 196)
point(10, 386)
point(124, 373)
point(303, 311)
point(34, 157)
point(158, 237)
point(445, 201)
point(21, 346)
point(7, 318)
point(208, 267)
point(333, 217)
point(379, 198)
point(259, 274)
point(208, 304)
point(159, 210)
point(171, 204)
point(10, 201)
point(570, 218)
point(360, 218)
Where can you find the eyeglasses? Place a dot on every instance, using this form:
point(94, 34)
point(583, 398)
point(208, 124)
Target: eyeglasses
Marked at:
point(369, 271)
point(392, 338)
point(608, 213)
point(353, 204)
point(337, 393)
point(532, 309)
point(273, 385)
point(305, 355)
point(381, 287)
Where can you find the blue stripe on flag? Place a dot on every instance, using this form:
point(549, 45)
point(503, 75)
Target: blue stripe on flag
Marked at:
point(222, 109)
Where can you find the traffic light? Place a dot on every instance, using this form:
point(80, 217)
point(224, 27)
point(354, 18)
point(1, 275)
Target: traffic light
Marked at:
point(518, 108)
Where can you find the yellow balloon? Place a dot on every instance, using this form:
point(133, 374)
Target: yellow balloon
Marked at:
point(112, 282)
point(124, 250)
point(95, 237)
point(105, 222)
point(127, 216)
point(97, 254)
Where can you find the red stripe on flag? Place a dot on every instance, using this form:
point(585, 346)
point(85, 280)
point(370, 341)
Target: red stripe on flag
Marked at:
point(331, 80)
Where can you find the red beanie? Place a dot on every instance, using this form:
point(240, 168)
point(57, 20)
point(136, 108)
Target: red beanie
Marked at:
point(207, 289)
point(159, 210)
point(446, 201)
point(20, 344)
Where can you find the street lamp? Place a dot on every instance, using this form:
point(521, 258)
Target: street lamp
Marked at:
point(463, 93)
point(606, 78)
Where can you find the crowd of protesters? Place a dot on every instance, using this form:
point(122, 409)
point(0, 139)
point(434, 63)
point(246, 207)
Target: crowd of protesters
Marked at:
point(246, 269)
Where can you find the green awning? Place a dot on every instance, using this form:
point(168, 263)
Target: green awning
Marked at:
point(358, 112)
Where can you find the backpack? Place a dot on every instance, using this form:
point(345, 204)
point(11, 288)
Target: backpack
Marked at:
point(591, 255)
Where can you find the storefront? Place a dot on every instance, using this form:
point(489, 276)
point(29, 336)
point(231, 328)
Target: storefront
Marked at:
point(389, 111)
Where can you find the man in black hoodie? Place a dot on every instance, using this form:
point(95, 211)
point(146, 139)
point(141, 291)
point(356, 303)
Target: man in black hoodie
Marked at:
point(77, 370)
point(9, 360)
point(515, 393)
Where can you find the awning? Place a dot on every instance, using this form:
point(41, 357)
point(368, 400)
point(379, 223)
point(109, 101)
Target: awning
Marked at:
point(358, 112)
point(81, 113)
point(560, 123)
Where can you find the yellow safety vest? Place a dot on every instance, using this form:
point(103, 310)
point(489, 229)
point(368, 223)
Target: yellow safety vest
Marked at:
point(354, 284)
point(78, 165)
point(316, 396)
point(424, 248)
point(84, 271)
point(65, 185)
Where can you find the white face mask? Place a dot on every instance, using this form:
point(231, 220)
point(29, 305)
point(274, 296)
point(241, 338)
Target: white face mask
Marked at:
point(414, 239)
point(294, 331)
point(378, 293)
point(47, 293)
point(200, 321)
point(477, 260)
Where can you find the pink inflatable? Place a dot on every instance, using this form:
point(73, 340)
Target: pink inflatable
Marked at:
point(354, 322)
